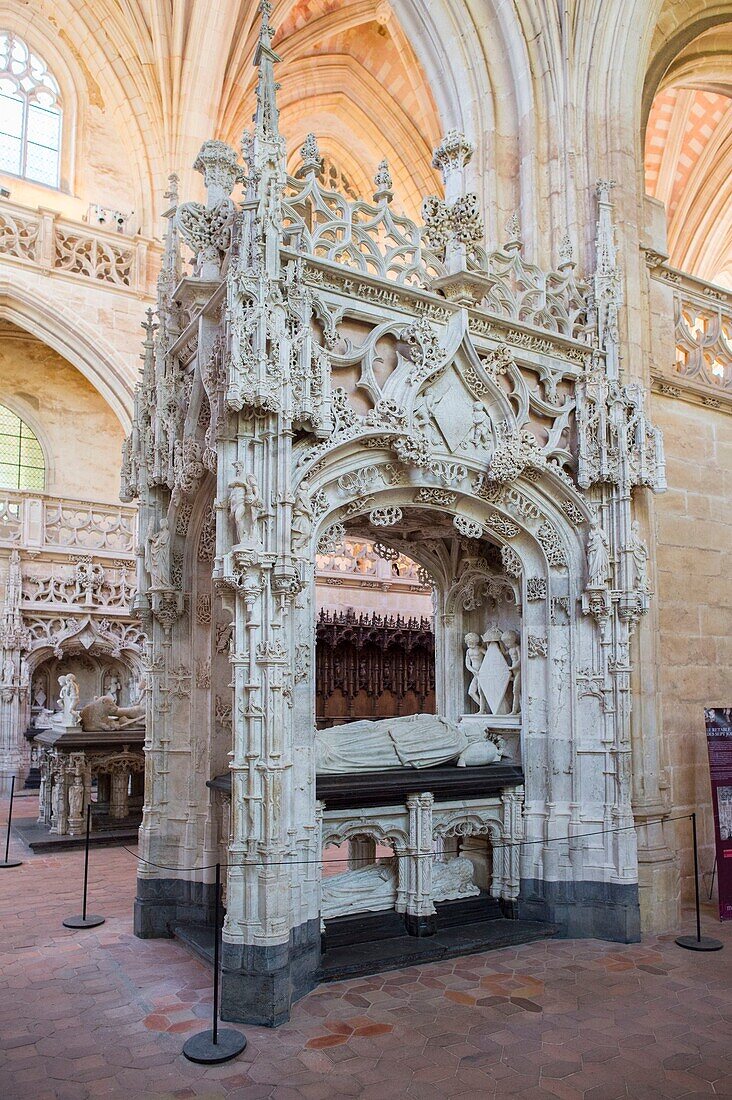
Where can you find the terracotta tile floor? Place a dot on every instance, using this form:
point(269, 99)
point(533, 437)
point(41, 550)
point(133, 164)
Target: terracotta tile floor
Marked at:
point(102, 1014)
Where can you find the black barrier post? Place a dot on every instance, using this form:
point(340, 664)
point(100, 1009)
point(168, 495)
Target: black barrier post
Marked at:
point(10, 862)
point(714, 871)
point(210, 1047)
point(698, 942)
point(83, 921)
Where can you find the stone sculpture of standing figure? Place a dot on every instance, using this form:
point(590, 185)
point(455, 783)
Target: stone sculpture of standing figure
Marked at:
point(39, 694)
point(303, 518)
point(245, 505)
point(114, 688)
point(639, 552)
point(510, 640)
point(481, 433)
point(474, 654)
point(69, 699)
point(8, 672)
point(157, 555)
point(76, 798)
point(598, 556)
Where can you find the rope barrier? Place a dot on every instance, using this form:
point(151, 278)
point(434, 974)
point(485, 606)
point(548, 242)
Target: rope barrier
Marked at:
point(417, 855)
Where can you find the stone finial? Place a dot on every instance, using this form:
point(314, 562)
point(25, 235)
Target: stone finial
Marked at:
point(566, 252)
point(172, 193)
point(513, 233)
point(149, 324)
point(603, 189)
point(453, 153)
point(383, 13)
point(312, 162)
point(170, 267)
point(217, 162)
point(384, 183)
point(266, 31)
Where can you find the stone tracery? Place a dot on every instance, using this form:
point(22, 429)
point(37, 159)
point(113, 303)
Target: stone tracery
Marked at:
point(300, 461)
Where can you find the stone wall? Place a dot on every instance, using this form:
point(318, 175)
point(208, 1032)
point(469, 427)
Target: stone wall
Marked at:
point(81, 436)
point(694, 532)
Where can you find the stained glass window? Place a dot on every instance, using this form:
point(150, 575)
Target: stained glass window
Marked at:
point(21, 457)
point(30, 114)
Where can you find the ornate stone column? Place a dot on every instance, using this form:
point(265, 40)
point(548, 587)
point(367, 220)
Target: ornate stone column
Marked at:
point(118, 801)
point(420, 915)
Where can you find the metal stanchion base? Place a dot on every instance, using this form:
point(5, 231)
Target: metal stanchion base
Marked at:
point(201, 1048)
point(83, 922)
point(10, 862)
point(706, 943)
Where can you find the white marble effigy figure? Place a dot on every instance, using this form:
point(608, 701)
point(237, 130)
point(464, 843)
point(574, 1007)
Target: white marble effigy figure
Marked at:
point(373, 889)
point(366, 890)
point(453, 879)
point(414, 741)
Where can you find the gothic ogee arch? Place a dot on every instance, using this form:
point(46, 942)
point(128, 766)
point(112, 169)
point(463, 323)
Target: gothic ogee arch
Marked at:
point(336, 366)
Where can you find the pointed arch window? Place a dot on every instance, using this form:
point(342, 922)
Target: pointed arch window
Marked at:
point(21, 458)
point(30, 114)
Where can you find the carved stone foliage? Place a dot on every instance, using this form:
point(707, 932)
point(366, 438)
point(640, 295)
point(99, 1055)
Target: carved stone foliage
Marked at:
point(511, 561)
point(470, 528)
point(459, 221)
point(548, 538)
point(385, 517)
point(536, 588)
point(537, 645)
point(207, 538)
point(332, 539)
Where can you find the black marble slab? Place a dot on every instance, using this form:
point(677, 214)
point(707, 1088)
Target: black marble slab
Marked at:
point(74, 738)
point(354, 960)
point(358, 960)
point(392, 787)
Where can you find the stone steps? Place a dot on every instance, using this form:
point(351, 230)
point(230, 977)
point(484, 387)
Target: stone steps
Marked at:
point(358, 960)
point(392, 952)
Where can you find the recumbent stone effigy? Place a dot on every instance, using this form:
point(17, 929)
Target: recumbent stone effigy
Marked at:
point(263, 432)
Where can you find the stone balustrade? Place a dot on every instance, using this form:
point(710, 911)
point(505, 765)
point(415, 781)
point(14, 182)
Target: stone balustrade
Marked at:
point(43, 522)
point(701, 365)
point(42, 239)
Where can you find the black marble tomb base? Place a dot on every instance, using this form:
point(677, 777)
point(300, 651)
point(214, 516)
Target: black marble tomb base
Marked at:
point(259, 985)
point(582, 910)
point(393, 786)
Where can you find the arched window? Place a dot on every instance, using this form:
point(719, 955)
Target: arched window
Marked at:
point(30, 114)
point(21, 457)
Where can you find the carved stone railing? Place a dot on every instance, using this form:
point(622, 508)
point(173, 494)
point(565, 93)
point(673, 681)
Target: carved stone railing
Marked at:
point(371, 239)
point(359, 562)
point(703, 337)
point(42, 522)
point(41, 239)
point(84, 584)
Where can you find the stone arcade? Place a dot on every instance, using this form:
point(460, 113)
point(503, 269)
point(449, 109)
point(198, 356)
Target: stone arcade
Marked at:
point(330, 368)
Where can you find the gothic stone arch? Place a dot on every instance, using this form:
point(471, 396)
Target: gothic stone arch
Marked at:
point(363, 372)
